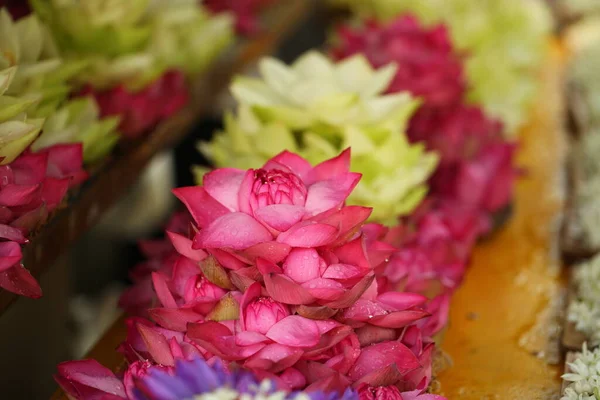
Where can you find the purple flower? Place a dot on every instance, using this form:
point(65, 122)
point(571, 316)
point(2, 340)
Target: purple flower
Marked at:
point(193, 378)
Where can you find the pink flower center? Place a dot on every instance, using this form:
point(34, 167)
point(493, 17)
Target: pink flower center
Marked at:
point(264, 312)
point(277, 187)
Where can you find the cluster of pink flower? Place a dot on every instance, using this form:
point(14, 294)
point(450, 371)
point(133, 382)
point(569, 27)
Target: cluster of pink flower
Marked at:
point(476, 167)
point(141, 110)
point(275, 273)
point(269, 269)
point(31, 188)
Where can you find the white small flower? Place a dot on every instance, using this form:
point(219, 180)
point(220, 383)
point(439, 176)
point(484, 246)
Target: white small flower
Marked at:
point(584, 376)
point(585, 310)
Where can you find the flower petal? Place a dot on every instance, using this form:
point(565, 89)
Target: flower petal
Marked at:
point(284, 290)
point(183, 246)
point(174, 319)
point(308, 234)
point(234, 230)
point(280, 217)
point(302, 265)
point(295, 331)
point(223, 185)
point(10, 254)
point(333, 167)
point(203, 207)
point(92, 374)
point(18, 280)
point(272, 251)
point(331, 193)
point(348, 298)
point(157, 345)
point(381, 355)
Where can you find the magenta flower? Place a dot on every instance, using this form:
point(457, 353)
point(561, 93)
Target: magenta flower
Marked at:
point(278, 277)
point(31, 188)
point(476, 166)
point(140, 111)
point(262, 313)
point(246, 12)
point(428, 65)
point(366, 392)
point(239, 209)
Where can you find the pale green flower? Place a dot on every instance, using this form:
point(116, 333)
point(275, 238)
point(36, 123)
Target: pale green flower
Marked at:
point(506, 41)
point(17, 130)
point(78, 122)
point(394, 171)
point(186, 36)
point(135, 41)
point(318, 94)
point(27, 43)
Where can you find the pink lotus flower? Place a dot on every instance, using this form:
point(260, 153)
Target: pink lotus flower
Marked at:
point(366, 392)
point(428, 66)
point(142, 110)
point(245, 11)
point(278, 277)
point(31, 188)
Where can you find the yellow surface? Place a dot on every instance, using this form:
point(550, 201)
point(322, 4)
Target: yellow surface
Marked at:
point(495, 315)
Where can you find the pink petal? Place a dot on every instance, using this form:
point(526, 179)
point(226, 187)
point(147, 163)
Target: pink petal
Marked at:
point(203, 207)
point(267, 267)
point(348, 298)
point(363, 310)
point(54, 191)
point(293, 162)
point(234, 230)
point(324, 289)
point(348, 219)
point(308, 234)
point(10, 254)
point(183, 246)
point(295, 331)
point(18, 280)
point(17, 195)
point(247, 338)
point(381, 355)
point(280, 217)
point(419, 395)
point(285, 291)
point(223, 185)
point(342, 271)
point(92, 374)
point(333, 167)
point(401, 300)
point(354, 252)
point(157, 345)
point(332, 193)
point(13, 234)
point(398, 319)
point(174, 319)
point(162, 291)
point(274, 358)
point(227, 259)
point(302, 265)
point(272, 251)
point(218, 339)
point(370, 334)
